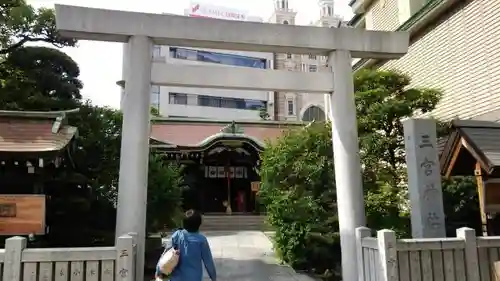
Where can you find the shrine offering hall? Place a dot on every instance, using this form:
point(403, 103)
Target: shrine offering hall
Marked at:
point(220, 159)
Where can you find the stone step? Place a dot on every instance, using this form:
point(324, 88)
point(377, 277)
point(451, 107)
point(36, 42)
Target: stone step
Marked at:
point(233, 222)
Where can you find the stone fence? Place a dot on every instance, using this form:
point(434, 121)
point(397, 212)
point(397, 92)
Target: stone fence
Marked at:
point(18, 263)
point(464, 258)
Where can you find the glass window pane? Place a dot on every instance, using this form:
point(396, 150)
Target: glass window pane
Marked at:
point(208, 57)
point(155, 98)
point(177, 98)
point(314, 113)
point(156, 51)
point(290, 107)
point(173, 52)
point(224, 102)
point(214, 57)
point(254, 104)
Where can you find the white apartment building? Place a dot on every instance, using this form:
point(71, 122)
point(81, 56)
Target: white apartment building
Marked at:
point(223, 104)
point(203, 103)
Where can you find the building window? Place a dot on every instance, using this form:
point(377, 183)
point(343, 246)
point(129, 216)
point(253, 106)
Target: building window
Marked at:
point(224, 102)
point(290, 107)
point(330, 11)
point(220, 58)
point(288, 55)
point(185, 54)
point(156, 51)
point(177, 98)
point(313, 68)
point(314, 113)
point(155, 97)
point(311, 56)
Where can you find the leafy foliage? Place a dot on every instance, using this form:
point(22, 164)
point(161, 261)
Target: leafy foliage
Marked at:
point(461, 204)
point(97, 160)
point(20, 23)
point(164, 195)
point(39, 78)
point(297, 174)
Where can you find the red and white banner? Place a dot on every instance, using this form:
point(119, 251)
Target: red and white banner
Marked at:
point(202, 10)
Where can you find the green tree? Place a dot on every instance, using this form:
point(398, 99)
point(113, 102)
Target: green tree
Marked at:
point(20, 24)
point(98, 160)
point(383, 98)
point(164, 195)
point(39, 78)
point(97, 163)
point(297, 173)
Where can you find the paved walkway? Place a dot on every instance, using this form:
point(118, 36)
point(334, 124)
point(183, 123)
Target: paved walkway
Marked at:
point(248, 256)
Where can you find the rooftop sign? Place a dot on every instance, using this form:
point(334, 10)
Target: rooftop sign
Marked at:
point(202, 10)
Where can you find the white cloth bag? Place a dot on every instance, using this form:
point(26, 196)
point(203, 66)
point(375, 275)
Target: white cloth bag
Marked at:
point(168, 261)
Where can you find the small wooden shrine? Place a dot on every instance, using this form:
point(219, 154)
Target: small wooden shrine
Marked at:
point(34, 147)
point(473, 149)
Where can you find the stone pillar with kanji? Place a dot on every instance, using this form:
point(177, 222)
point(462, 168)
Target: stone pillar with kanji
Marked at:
point(424, 179)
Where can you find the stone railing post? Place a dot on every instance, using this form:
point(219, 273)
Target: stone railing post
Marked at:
point(125, 259)
point(388, 255)
point(471, 257)
point(14, 247)
point(361, 232)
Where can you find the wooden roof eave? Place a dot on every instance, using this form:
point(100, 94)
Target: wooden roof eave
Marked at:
point(450, 154)
point(483, 161)
point(37, 114)
point(457, 142)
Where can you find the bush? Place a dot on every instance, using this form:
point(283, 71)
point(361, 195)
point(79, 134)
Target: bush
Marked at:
point(164, 195)
point(297, 187)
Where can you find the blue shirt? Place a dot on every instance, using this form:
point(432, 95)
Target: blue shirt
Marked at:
point(194, 250)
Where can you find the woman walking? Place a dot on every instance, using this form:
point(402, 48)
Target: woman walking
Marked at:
point(194, 251)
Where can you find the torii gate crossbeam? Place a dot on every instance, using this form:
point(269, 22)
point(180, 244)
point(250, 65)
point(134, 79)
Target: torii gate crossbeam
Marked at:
point(140, 31)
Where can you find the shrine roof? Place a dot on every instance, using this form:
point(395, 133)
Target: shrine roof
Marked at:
point(471, 142)
point(179, 132)
point(33, 131)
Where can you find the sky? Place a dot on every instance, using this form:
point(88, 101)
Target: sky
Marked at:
point(101, 62)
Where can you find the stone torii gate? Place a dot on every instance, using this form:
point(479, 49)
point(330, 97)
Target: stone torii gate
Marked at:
point(140, 31)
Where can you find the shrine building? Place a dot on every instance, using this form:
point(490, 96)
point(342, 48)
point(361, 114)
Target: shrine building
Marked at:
point(220, 158)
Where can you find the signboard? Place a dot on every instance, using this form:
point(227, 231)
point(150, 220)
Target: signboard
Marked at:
point(22, 214)
point(202, 10)
point(491, 197)
point(255, 186)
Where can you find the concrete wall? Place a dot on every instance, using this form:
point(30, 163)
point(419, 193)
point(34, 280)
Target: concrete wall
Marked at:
point(458, 55)
point(383, 15)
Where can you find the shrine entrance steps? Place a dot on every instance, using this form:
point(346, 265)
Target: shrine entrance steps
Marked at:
point(233, 222)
